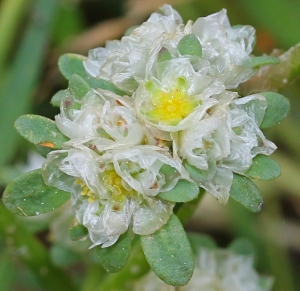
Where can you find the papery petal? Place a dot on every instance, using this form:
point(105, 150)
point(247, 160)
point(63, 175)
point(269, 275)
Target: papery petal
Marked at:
point(151, 216)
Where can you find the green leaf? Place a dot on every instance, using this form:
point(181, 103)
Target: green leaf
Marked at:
point(264, 168)
point(242, 246)
point(199, 241)
point(56, 99)
point(183, 191)
point(196, 174)
point(261, 61)
point(28, 195)
point(97, 83)
point(40, 131)
point(77, 232)
point(115, 257)
point(278, 108)
point(169, 253)
point(70, 64)
point(244, 191)
point(78, 86)
point(190, 45)
point(130, 30)
point(164, 55)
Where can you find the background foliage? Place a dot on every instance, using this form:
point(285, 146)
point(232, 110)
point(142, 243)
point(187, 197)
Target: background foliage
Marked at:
point(33, 34)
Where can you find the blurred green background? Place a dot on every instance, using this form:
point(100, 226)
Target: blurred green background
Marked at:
point(33, 34)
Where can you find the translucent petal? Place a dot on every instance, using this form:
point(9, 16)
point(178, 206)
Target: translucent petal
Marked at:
point(149, 217)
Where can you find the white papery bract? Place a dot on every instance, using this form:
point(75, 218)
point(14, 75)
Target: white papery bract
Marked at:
point(101, 120)
point(226, 48)
point(111, 192)
point(127, 62)
point(225, 141)
point(215, 270)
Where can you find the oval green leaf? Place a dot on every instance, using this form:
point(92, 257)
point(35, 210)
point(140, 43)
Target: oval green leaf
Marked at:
point(97, 83)
point(57, 97)
point(115, 257)
point(183, 191)
point(169, 253)
point(28, 195)
point(278, 108)
point(40, 131)
point(264, 168)
point(196, 174)
point(78, 86)
point(163, 55)
point(77, 232)
point(70, 64)
point(190, 45)
point(262, 61)
point(245, 192)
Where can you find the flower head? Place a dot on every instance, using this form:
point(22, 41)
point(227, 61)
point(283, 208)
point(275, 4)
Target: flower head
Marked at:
point(116, 190)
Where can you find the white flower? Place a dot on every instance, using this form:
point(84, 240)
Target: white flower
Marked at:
point(101, 120)
point(177, 97)
point(215, 270)
point(126, 62)
point(135, 58)
point(111, 192)
point(225, 141)
point(226, 48)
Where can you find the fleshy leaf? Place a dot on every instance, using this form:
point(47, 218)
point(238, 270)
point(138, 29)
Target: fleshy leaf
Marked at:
point(115, 257)
point(190, 45)
point(163, 55)
point(196, 174)
point(78, 86)
point(97, 83)
point(245, 192)
point(169, 253)
point(183, 191)
point(70, 64)
point(130, 30)
point(278, 108)
point(261, 61)
point(40, 131)
point(56, 99)
point(264, 168)
point(77, 232)
point(28, 195)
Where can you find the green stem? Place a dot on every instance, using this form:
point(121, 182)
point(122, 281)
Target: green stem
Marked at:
point(11, 12)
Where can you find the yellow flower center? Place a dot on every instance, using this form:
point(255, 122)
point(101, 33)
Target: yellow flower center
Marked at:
point(170, 107)
point(115, 185)
point(85, 191)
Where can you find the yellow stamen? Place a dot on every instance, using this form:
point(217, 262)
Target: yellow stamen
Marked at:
point(173, 106)
point(85, 191)
point(114, 184)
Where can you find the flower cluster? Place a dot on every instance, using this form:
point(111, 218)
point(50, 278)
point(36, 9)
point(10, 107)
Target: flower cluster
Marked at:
point(176, 112)
point(215, 270)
